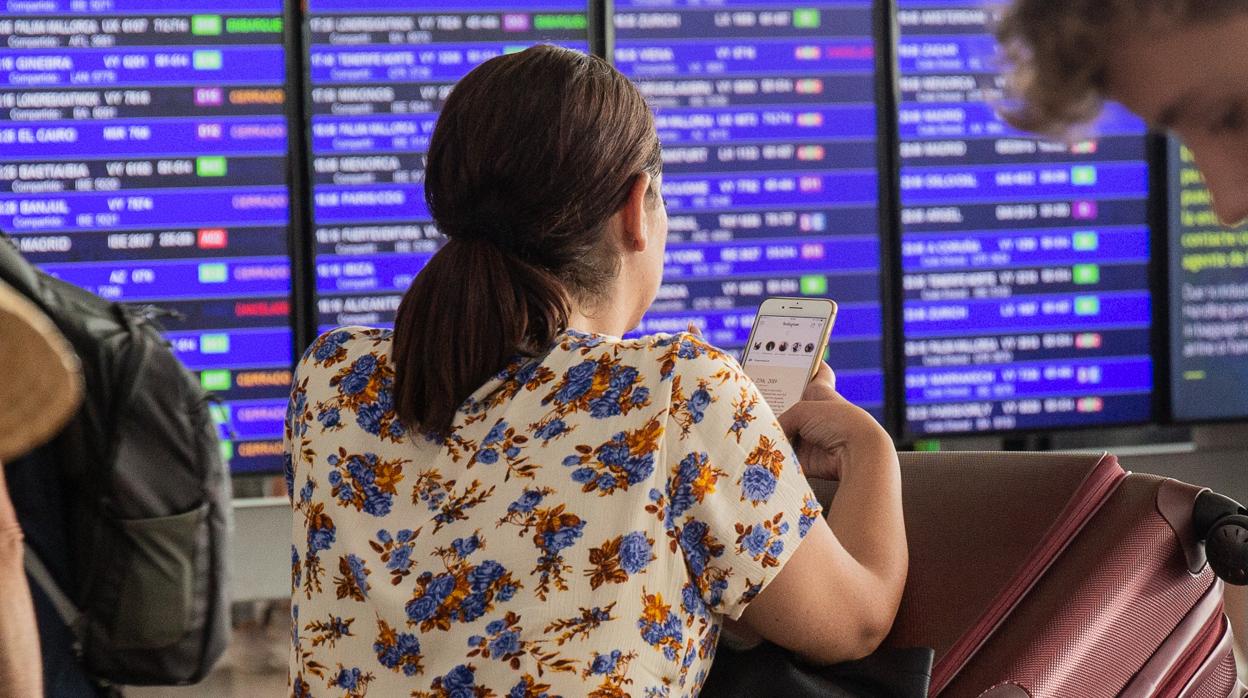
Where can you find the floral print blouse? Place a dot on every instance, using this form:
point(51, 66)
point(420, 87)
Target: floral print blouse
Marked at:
point(592, 517)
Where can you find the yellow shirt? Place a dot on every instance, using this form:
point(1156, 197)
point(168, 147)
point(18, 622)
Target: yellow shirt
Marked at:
point(593, 516)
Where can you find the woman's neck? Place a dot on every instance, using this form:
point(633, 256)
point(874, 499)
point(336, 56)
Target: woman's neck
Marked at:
point(611, 319)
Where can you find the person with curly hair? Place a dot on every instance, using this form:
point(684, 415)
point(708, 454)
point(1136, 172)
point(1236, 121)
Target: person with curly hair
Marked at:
point(1182, 65)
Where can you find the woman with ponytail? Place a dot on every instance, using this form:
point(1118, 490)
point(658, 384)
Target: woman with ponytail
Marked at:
point(504, 497)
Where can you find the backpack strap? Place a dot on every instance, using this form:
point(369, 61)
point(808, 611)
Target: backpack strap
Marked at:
point(42, 578)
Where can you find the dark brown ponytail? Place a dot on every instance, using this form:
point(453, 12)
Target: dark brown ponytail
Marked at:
point(532, 155)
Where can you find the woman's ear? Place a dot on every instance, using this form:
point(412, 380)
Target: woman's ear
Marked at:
point(634, 224)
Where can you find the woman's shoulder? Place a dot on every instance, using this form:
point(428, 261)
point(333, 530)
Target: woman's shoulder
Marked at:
point(689, 354)
point(345, 346)
point(680, 353)
point(362, 350)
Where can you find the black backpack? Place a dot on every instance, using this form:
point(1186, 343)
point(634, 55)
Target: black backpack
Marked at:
point(144, 498)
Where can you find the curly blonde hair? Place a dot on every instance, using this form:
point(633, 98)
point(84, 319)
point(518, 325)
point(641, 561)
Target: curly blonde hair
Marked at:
point(1057, 52)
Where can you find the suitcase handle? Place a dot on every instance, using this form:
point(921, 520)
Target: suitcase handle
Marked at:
point(1222, 523)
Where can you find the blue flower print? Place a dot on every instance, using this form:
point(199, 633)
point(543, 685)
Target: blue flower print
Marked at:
point(604, 664)
point(559, 539)
point(506, 592)
point(459, 677)
point(584, 475)
point(488, 456)
point(622, 378)
point(525, 689)
point(810, 511)
point(635, 550)
point(464, 547)
point(472, 608)
point(758, 484)
point(763, 541)
point(641, 396)
point(330, 345)
point(496, 626)
point(441, 587)
point(551, 430)
point(496, 434)
point(579, 379)
point(296, 569)
point(691, 603)
point(527, 501)
point(421, 608)
point(698, 402)
point(358, 574)
point(397, 430)
point(348, 679)
point(661, 628)
point(369, 418)
point(606, 406)
point(305, 493)
point(485, 575)
point(756, 541)
point(401, 559)
point(699, 546)
point(397, 651)
point(354, 383)
point(365, 365)
point(329, 418)
point(321, 538)
point(688, 349)
point(572, 461)
point(505, 644)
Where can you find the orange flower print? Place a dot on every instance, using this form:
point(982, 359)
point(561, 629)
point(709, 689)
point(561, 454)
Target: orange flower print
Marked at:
point(689, 412)
point(603, 387)
point(660, 628)
point(364, 481)
point(743, 412)
point(554, 530)
point(763, 468)
point(627, 459)
point(619, 558)
point(763, 541)
point(365, 388)
point(613, 668)
point(461, 594)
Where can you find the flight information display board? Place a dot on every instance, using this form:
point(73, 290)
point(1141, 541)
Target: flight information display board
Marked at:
point(378, 74)
point(767, 114)
point(143, 156)
point(1026, 263)
point(1208, 302)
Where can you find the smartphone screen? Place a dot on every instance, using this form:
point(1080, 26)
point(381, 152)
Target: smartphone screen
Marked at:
point(783, 353)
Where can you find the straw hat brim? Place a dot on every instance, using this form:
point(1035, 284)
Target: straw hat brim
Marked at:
point(40, 377)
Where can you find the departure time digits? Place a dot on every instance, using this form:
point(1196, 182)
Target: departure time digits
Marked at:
point(1026, 302)
point(768, 122)
point(143, 157)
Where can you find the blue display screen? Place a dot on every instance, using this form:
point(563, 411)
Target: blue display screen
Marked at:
point(768, 120)
point(379, 73)
point(1026, 262)
point(143, 156)
point(1208, 302)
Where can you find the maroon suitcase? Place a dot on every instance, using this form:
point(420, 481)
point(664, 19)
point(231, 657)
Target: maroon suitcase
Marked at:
point(1059, 576)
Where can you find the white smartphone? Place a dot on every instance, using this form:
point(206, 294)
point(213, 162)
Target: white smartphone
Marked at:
point(787, 343)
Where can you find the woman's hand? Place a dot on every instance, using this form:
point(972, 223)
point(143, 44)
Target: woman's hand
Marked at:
point(829, 433)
